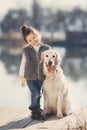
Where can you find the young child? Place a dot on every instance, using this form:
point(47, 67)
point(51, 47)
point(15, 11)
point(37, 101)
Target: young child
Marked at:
point(31, 72)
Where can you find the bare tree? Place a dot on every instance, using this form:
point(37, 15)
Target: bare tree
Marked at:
point(78, 16)
point(13, 20)
point(37, 14)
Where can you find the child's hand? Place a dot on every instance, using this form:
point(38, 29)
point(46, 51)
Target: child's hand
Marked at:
point(23, 81)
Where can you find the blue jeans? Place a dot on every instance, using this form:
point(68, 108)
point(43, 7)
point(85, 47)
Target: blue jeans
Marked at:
point(35, 88)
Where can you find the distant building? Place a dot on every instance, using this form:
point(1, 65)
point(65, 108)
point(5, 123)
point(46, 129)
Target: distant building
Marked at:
point(76, 37)
point(78, 42)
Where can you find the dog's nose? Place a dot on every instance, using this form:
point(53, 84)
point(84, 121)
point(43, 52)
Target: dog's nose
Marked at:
point(50, 63)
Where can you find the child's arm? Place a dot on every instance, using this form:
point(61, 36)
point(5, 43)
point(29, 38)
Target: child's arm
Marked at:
point(22, 70)
point(23, 81)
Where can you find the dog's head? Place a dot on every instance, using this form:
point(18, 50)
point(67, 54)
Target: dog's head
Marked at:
point(51, 60)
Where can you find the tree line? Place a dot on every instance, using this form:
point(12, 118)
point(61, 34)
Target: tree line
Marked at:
point(44, 19)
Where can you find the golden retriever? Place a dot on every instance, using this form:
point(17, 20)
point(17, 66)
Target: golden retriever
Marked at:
point(55, 86)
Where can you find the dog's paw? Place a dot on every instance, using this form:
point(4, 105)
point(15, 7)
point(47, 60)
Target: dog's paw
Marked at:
point(67, 113)
point(59, 116)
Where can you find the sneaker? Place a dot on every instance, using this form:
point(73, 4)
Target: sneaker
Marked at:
point(37, 115)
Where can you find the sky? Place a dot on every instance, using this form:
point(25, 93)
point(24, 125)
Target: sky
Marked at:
point(5, 5)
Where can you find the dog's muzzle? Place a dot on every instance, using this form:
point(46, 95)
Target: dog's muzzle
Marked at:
point(50, 67)
point(50, 63)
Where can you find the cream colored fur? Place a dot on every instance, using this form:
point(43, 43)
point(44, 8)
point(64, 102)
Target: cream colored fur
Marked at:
point(55, 86)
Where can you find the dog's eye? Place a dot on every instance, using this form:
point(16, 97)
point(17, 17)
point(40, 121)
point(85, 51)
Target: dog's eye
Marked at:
point(46, 55)
point(53, 56)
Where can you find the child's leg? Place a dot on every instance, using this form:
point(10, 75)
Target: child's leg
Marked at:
point(35, 87)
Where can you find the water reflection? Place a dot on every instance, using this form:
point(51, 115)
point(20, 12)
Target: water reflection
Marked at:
point(11, 92)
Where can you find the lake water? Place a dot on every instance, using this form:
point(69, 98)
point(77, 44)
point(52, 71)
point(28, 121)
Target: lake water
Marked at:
point(11, 92)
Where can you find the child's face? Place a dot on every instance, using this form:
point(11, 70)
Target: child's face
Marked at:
point(33, 39)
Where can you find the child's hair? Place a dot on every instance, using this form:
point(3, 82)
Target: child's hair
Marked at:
point(26, 30)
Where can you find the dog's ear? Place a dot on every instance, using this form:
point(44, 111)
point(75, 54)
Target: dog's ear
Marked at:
point(42, 57)
point(58, 58)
